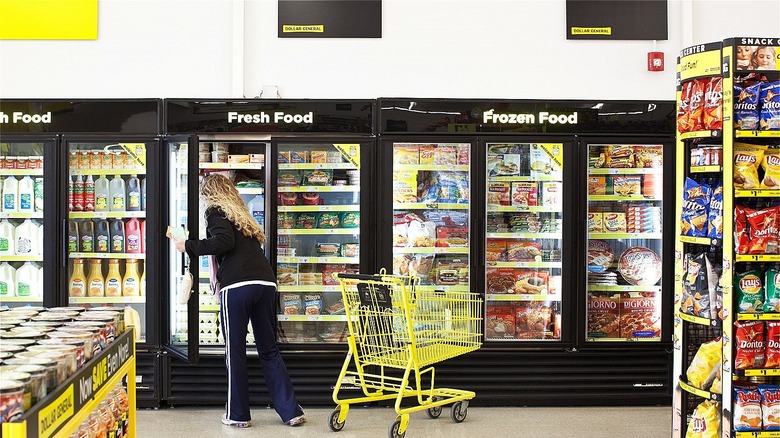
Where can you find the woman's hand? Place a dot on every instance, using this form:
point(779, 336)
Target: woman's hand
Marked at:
point(179, 244)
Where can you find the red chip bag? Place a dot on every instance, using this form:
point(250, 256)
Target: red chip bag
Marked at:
point(772, 345)
point(713, 108)
point(683, 112)
point(763, 230)
point(750, 345)
point(741, 233)
point(696, 106)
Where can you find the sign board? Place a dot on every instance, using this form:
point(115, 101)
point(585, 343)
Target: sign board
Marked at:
point(616, 20)
point(330, 19)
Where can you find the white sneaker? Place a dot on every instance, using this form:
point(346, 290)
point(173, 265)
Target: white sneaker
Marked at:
point(228, 422)
point(296, 421)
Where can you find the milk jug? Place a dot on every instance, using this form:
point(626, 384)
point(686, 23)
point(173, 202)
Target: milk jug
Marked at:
point(7, 246)
point(7, 280)
point(133, 194)
point(38, 194)
point(26, 195)
point(40, 282)
point(26, 280)
point(102, 195)
point(25, 237)
point(11, 194)
point(257, 208)
point(118, 195)
point(40, 240)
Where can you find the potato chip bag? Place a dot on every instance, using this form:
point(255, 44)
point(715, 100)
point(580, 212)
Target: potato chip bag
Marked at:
point(772, 345)
point(770, 406)
point(747, 158)
point(749, 345)
point(741, 232)
point(706, 359)
point(772, 292)
point(705, 421)
point(769, 115)
point(696, 201)
point(763, 230)
point(771, 165)
point(713, 104)
point(683, 111)
point(747, 409)
point(696, 105)
point(746, 106)
point(715, 214)
point(750, 291)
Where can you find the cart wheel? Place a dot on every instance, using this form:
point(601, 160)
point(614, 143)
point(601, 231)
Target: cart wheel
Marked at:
point(392, 432)
point(333, 420)
point(435, 411)
point(458, 412)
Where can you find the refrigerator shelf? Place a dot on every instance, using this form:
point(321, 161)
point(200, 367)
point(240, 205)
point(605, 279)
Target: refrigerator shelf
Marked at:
point(105, 214)
point(310, 288)
point(649, 236)
point(523, 235)
point(319, 189)
point(209, 308)
point(444, 288)
point(308, 318)
point(758, 316)
point(763, 434)
point(700, 134)
point(25, 215)
point(765, 134)
point(522, 209)
point(21, 258)
point(623, 288)
point(756, 193)
point(316, 231)
point(522, 297)
point(310, 166)
point(624, 339)
point(540, 265)
point(430, 250)
point(105, 255)
point(21, 300)
point(758, 258)
point(351, 260)
point(21, 172)
point(432, 167)
point(304, 208)
point(107, 300)
point(706, 169)
point(758, 372)
point(626, 171)
point(524, 178)
point(230, 166)
point(620, 198)
point(432, 205)
point(104, 172)
point(250, 190)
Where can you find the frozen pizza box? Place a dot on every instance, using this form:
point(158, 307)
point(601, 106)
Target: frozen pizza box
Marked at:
point(552, 194)
point(498, 193)
point(640, 316)
point(407, 154)
point(525, 194)
point(595, 222)
point(603, 319)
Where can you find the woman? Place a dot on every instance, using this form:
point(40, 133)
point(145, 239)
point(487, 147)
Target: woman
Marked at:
point(248, 293)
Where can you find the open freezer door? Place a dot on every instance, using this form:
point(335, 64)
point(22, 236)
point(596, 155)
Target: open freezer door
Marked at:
point(182, 311)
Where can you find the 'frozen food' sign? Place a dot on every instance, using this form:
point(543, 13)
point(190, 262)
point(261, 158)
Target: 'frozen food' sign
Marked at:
point(275, 117)
point(543, 117)
point(20, 117)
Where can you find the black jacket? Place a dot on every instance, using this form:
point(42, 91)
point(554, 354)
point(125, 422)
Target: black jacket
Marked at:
point(240, 258)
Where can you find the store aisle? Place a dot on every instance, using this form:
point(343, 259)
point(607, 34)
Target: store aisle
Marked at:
point(597, 422)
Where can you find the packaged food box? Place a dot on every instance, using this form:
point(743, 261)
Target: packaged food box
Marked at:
point(289, 178)
point(318, 177)
point(498, 193)
point(406, 155)
point(452, 237)
point(309, 278)
point(287, 274)
point(595, 223)
point(287, 221)
point(350, 219)
point(495, 250)
point(525, 194)
point(329, 269)
point(533, 320)
point(597, 185)
point(614, 222)
point(328, 220)
point(257, 158)
point(284, 157)
point(291, 304)
point(427, 153)
point(312, 303)
point(640, 317)
point(299, 157)
point(504, 165)
point(464, 156)
point(603, 319)
point(552, 194)
point(238, 158)
point(649, 156)
point(499, 322)
point(404, 187)
point(445, 156)
point(307, 221)
point(523, 251)
point(627, 185)
point(319, 156)
point(328, 249)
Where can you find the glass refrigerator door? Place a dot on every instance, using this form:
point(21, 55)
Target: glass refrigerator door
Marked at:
point(318, 208)
point(431, 214)
point(244, 163)
point(523, 247)
point(22, 278)
point(106, 228)
point(625, 186)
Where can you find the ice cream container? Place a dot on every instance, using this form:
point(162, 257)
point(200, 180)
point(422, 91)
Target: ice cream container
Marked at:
point(49, 365)
point(11, 400)
point(24, 379)
point(219, 156)
point(204, 157)
point(38, 388)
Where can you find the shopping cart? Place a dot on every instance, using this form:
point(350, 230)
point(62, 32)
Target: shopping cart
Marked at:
point(395, 324)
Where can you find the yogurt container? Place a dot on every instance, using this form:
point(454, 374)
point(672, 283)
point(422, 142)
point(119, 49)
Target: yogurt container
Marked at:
point(11, 400)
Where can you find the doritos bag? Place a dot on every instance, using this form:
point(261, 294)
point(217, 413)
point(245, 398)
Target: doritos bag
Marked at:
point(763, 230)
point(772, 344)
point(715, 213)
point(749, 345)
point(696, 201)
point(769, 99)
point(683, 112)
point(696, 106)
point(746, 107)
point(741, 232)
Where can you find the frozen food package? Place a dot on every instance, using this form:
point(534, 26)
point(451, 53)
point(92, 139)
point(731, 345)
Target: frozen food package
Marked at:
point(705, 421)
point(750, 291)
point(291, 304)
point(404, 186)
point(747, 409)
point(696, 201)
point(771, 165)
point(747, 158)
point(749, 345)
point(287, 274)
point(318, 177)
point(715, 214)
point(525, 194)
point(504, 165)
point(640, 316)
point(746, 106)
point(422, 234)
point(769, 115)
point(299, 157)
point(603, 317)
point(406, 154)
point(498, 193)
point(595, 222)
point(597, 185)
point(683, 110)
point(552, 195)
point(772, 291)
point(312, 303)
point(770, 407)
point(499, 322)
point(649, 156)
point(713, 104)
point(614, 222)
point(288, 178)
point(328, 220)
point(627, 185)
point(707, 357)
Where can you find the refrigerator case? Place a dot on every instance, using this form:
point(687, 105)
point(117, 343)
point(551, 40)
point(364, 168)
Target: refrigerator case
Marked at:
point(624, 245)
point(318, 210)
point(27, 259)
point(523, 241)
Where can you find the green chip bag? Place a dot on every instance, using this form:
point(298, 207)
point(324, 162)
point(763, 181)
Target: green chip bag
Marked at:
point(750, 291)
point(772, 288)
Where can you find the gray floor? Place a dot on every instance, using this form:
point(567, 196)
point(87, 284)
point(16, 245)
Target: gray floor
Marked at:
point(642, 422)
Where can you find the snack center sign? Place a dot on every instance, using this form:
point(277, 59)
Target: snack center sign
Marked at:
point(270, 117)
point(540, 118)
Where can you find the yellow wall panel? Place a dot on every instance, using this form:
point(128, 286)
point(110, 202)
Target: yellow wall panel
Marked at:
point(48, 19)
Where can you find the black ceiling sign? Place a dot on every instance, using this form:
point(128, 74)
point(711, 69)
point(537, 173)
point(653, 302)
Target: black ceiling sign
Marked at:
point(616, 20)
point(330, 19)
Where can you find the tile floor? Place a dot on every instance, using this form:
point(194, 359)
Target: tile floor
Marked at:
point(591, 422)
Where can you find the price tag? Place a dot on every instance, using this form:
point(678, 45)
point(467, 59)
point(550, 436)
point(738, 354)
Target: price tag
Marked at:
point(313, 318)
point(432, 205)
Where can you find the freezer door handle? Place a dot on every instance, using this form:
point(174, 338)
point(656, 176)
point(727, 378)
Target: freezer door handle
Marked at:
point(65, 247)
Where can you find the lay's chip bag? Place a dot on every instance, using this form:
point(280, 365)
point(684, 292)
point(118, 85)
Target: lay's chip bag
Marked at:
point(747, 158)
point(705, 421)
point(771, 165)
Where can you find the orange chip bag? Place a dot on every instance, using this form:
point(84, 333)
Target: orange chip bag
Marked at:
point(747, 158)
point(771, 165)
point(705, 421)
point(713, 100)
point(772, 345)
point(747, 409)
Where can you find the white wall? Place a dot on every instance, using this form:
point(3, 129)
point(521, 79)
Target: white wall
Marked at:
point(430, 48)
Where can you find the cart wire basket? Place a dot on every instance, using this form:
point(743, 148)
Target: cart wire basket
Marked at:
point(394, 324)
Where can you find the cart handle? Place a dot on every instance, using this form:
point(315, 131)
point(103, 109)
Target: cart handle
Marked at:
point(358, 276)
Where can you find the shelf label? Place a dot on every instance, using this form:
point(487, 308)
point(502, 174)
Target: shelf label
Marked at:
point(52, 416)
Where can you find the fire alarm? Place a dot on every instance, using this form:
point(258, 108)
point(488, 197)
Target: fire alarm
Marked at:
point(655, 61)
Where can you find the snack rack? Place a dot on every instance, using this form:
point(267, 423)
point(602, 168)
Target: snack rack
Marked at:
point(702, 63)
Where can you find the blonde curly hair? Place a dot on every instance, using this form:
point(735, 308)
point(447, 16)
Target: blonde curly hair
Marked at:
point(217, 191)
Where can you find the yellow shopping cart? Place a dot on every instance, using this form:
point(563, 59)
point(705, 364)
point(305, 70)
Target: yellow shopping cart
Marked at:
point(394, 324)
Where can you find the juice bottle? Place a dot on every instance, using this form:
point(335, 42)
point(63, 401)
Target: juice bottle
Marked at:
point(117, 236)
point(10, 194)
point(143, 236)
point(26, 279)
point(95, 284)
point(38, 194)
point(26, 194)
point(118, 195)
point(87, 234)
point(102, 195)
point(143, 194)
point(133, 319)
point(73, 236)
point(78, 193)
point(7, 280)
point(142, 289)
point(113, 285)
point(78, 281)
point(102, 236)
point(7, 241)
point(25, 238)
point(130, 286)
point(71, 195)
point(133, 236)
point(133, 194)
point(89, 194)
